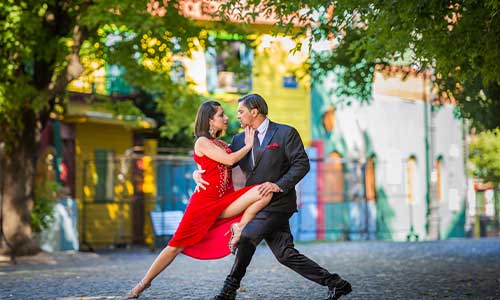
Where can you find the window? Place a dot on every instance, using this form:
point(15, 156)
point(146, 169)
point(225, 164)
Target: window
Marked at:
point(115, 84)
point(229, 67)
point(104, 174)
point(370, 180)
point(329, 119)
point(177, 72)
point(439, 179)
point(410, 181)
point(334, 179)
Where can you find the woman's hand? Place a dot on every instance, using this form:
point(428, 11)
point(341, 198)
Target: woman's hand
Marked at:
point(249, 136)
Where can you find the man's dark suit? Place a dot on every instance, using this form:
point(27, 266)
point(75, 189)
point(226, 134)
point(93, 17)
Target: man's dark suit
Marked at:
point(281, 159)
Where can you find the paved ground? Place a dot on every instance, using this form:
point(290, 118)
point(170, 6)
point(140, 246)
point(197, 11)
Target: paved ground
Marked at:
point(456, 269)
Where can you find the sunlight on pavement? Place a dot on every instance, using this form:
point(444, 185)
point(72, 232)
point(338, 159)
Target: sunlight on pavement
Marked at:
point(89, 297)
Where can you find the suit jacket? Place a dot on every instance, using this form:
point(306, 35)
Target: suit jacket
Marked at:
point(281, 159)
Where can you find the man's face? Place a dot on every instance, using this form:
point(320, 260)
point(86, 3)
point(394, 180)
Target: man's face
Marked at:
point(245, 116)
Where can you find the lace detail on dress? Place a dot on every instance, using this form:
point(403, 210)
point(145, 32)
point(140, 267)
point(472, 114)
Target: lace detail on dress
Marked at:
point(225, 175)
point(224, 183)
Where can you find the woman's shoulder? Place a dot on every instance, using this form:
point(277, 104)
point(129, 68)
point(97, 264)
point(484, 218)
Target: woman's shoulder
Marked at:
point(201, 139)
point(200, 143)
point(204, 142)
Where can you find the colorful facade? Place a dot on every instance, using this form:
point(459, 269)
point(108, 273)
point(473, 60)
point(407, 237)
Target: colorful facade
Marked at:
point(275, 74)
point(373, 175)
point(97, 168)
point(390, 169)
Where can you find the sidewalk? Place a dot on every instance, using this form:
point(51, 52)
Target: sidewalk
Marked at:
point(451, 269)
point(45, 259)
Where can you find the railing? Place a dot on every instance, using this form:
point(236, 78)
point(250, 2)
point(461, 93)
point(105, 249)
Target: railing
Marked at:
point(118, 194)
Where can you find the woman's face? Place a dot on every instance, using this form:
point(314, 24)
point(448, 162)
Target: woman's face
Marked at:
point(219, 121)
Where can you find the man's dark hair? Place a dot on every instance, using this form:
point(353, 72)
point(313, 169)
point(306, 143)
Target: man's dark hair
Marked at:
point(252, 101)
point(206, 112)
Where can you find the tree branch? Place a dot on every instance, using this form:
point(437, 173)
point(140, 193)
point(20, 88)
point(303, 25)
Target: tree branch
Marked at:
point(74, 68)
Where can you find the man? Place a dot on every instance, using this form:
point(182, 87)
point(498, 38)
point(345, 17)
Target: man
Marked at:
point(277, 160)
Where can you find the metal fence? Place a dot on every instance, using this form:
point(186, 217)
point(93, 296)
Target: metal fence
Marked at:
point(334, 203)
point(119, 192)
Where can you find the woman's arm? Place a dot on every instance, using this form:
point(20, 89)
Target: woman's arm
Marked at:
point(204, 146)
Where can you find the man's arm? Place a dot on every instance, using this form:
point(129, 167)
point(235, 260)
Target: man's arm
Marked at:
point(294, 151)
point(200, 182)
point(235, 146)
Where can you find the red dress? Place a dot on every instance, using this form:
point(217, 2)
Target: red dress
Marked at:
point(200, 231)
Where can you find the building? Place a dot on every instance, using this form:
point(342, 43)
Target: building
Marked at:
point(390, 169)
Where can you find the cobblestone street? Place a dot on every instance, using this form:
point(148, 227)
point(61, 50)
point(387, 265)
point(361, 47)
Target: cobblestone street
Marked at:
point(454, 269)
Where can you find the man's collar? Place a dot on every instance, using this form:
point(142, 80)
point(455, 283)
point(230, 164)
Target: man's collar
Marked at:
point(263, 126)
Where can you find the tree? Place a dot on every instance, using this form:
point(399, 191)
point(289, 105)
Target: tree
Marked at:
point(457, 41)
point(42, 44)
point(484, 150)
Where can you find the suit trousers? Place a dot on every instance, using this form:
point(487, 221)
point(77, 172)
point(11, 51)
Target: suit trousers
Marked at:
point(274, 228)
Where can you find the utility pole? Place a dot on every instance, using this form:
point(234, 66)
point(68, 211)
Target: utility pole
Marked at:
point(432, 214)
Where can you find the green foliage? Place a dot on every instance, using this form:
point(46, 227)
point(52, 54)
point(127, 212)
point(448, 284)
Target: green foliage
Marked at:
point(233, 126)
point(123, 110)
point(45, 198)
point(232, 62)
point(179, 104)
point(457, 40)
point(484, 155)
point(44, 44)
point(28, 46)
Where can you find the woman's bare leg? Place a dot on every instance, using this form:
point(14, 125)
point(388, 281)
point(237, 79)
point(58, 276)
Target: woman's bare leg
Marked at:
point(162, 261)
point(250, 204)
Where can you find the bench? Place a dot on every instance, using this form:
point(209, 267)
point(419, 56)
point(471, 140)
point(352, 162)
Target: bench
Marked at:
point(164, 225)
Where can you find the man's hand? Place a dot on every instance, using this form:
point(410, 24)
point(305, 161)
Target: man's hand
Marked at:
point(200, 183)
point(268, 187)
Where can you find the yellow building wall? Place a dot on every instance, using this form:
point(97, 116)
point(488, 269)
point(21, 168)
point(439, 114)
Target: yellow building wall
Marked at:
point(272, 62)
point(104, 223)
point(149, 186)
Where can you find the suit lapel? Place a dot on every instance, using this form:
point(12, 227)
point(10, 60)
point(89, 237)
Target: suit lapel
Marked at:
point(246, 161)
point(271, 130)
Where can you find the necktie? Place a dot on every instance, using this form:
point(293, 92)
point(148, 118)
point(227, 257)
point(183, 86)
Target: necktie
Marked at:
point(256, 146)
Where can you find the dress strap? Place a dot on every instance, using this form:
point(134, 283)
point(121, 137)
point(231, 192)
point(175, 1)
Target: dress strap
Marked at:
point(220, 143)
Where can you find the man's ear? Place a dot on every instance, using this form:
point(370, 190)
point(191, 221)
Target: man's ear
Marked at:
point(255, 112)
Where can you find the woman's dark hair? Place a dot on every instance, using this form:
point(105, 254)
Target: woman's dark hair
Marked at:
point(206, 112)
point(252, 101)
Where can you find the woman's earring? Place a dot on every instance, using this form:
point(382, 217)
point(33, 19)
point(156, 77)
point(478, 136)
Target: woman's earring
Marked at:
point(211, 131)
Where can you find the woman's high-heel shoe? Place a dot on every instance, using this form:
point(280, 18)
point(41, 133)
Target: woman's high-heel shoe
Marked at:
point(138, 289)
point(235, 237)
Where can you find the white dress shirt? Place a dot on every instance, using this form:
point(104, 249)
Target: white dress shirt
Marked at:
point(262, 130)
point(262, 133)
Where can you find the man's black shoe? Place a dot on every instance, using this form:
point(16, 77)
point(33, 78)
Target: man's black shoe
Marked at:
point(226, 294)
point(341, 288)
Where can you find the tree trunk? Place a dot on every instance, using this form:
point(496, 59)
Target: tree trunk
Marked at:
point(16, 188)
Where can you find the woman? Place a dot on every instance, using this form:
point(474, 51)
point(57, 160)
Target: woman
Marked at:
point(217, 210)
